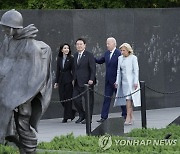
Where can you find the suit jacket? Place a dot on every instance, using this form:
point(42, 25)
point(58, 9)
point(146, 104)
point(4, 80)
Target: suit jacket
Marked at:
point(132, 75)
point(111, 65)
point(64, 75)
point(85, 70)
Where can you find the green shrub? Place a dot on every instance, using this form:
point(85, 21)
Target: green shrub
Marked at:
point(156, 133)
point(90, 143)
point(8, 150)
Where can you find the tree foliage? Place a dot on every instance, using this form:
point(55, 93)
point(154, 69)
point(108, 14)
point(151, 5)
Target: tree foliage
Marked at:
point(87, 4)
point(9, 4)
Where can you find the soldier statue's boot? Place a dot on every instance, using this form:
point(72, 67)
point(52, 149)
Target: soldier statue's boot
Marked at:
point(22, 151)
point(14, 139)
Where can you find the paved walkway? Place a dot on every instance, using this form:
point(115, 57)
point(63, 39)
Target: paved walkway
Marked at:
point(158, 118)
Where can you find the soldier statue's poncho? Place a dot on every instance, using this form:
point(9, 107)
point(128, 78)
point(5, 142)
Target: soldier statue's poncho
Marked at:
point(25, 76)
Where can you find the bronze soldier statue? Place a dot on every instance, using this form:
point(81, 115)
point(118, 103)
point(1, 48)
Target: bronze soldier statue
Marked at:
point(25, 82)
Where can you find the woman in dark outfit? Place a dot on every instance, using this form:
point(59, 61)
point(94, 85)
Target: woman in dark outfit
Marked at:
point(64, 80)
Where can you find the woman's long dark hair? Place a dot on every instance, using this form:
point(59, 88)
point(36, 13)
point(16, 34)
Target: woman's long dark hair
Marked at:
point(60, 50)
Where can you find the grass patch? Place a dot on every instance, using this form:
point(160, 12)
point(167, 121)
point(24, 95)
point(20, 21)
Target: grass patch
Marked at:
point(138, 141)
point(156, 133)
point(8, 150)
point(147, 141)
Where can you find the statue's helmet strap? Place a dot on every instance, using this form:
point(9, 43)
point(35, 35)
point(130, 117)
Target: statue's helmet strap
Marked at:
point(12, 18)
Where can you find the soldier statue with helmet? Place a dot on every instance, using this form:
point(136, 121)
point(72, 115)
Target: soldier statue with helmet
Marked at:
point(25, 82)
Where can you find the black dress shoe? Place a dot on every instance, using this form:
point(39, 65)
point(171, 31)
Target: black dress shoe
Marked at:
point(64, 120)
point(84, 121)
point(80, 120)
point(72, 118)
point(101, 120)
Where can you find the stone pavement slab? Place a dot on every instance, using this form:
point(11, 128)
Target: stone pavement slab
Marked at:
point(157, 118)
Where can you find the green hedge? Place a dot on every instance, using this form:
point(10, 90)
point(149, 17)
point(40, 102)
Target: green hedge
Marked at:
point(156, 133)
point(8, 150)
point(90, 144)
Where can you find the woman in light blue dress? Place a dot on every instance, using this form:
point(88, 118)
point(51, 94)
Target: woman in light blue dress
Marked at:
point(127, 81)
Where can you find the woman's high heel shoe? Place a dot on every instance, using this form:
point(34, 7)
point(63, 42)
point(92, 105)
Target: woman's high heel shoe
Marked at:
point(128, 122)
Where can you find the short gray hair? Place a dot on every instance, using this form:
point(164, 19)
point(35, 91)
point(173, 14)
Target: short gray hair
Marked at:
point(113, 39)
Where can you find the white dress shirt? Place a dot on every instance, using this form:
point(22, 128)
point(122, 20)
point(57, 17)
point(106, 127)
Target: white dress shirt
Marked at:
point(112, 53)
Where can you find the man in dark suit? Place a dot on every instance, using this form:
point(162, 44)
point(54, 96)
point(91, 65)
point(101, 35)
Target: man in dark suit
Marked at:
point(110, 58)
point(84, 73)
